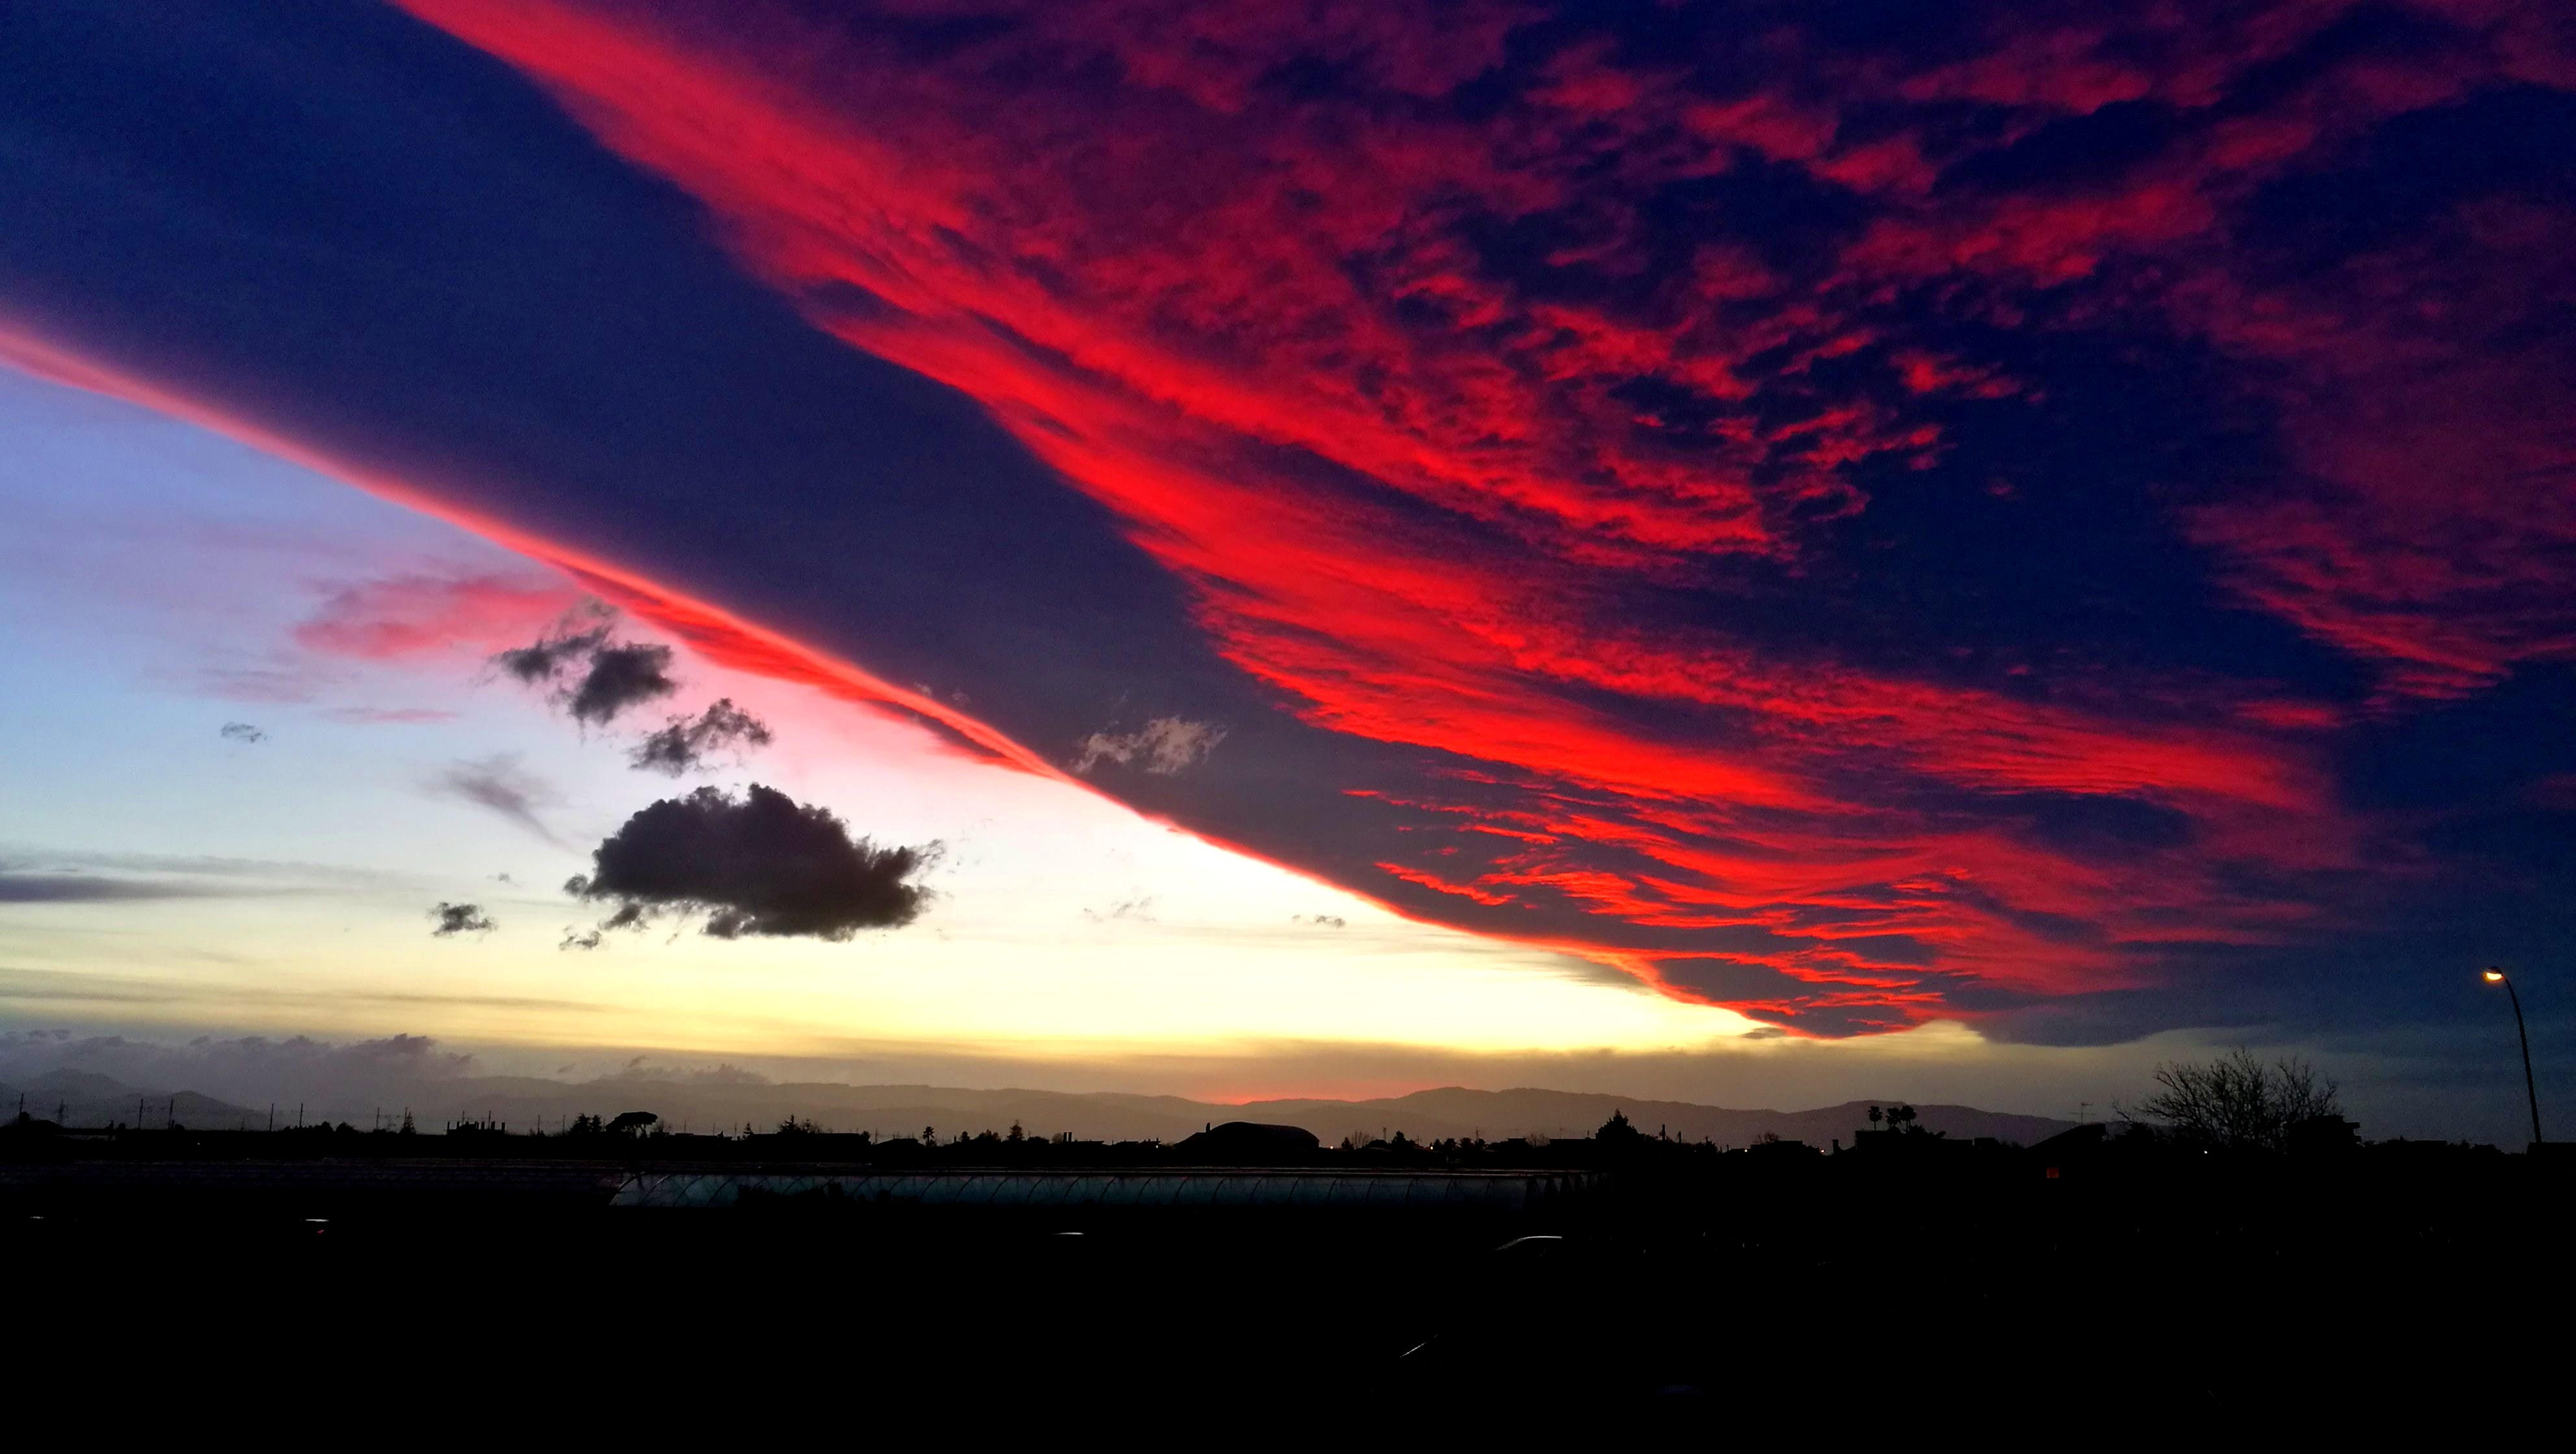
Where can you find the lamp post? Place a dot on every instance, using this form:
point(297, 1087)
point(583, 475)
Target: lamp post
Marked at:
point(2496, 976)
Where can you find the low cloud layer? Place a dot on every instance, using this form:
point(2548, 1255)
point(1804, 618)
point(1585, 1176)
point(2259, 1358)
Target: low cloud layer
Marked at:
point(1163, 746)
point(83, 888)
point(453, 919)
point(343, 1081)
point(502, 785)
point(689, 744)
point(758, 864)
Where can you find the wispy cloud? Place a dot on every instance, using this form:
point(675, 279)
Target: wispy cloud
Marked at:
point(1163, 746)
point(18, 887)
point(371, 716)
point(423, 614)
point(1139, 909)
point(501, 784)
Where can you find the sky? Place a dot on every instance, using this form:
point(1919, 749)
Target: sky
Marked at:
point(1748, 547)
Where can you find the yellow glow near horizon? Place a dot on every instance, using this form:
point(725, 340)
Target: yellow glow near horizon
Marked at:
point(302, 968)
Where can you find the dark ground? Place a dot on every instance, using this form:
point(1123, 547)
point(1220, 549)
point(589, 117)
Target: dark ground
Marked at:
point(1821, 1293)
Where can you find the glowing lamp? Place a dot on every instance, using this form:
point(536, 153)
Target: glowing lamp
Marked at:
point(2495, 976)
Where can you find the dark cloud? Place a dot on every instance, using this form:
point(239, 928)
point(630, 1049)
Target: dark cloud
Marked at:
point(461, 919)
point(579, 940)
point(1320, 921)
point(595, 677)
point(759, 864)
point(499, 783)
point(620, 677)
point(242, 732)
point(686, 743)
point(544, 661)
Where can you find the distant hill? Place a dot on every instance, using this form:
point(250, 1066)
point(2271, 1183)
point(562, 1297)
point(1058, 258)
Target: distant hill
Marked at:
point(86, 1098)
point(893, 1110)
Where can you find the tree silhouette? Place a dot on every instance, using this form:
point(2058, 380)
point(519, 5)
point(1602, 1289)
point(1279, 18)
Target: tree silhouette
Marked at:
point(2236, 1102)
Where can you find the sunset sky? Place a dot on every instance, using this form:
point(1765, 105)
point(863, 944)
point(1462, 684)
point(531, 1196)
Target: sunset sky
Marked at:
point(1749, 552)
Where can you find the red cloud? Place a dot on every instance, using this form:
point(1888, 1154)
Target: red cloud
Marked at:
point(2430, 410)
point(417, 615)
point(1200, 298)
point(1425, 497)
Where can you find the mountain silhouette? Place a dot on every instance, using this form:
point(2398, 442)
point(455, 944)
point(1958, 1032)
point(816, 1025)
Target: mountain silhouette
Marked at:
point(903, 1110)
point(87, 1098)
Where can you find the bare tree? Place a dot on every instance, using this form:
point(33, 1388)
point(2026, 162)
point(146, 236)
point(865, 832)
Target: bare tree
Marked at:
point(2236, 1101)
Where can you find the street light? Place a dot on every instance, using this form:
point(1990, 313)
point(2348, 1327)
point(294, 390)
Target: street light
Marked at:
point(2496, 976)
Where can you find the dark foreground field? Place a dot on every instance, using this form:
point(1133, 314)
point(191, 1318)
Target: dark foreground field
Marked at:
point(1797, 1296)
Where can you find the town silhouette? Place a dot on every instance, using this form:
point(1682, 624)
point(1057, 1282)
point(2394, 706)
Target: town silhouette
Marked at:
point(2231, 1242)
